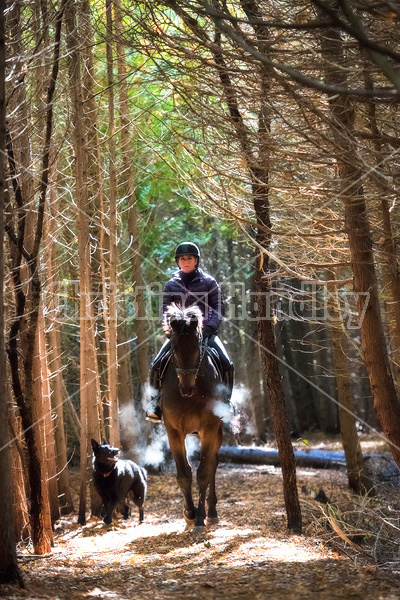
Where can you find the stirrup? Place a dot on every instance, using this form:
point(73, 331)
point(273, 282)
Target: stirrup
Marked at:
point(154, 416)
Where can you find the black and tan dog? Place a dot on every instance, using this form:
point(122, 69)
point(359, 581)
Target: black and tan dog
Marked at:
point(116, 480)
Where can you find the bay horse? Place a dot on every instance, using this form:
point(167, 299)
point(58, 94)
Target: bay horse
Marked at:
point(191, 390)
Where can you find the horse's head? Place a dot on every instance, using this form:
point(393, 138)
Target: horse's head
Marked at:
point(184, 327)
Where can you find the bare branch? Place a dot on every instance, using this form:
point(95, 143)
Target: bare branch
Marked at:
point(244, 42)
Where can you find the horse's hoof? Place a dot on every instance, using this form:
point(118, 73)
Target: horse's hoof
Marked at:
point(199, 529)
point(211, 521)
point(189, 522)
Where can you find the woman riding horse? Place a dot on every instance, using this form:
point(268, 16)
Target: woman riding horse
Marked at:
point(192, 396)
point(190, 286)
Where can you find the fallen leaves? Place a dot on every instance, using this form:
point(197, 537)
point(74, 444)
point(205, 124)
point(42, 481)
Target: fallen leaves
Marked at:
point(249, 555)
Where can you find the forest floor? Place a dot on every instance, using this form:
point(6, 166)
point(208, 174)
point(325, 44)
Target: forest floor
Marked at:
point(249, 555)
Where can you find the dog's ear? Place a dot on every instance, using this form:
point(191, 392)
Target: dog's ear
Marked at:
point(104, 442)
point(95, 445)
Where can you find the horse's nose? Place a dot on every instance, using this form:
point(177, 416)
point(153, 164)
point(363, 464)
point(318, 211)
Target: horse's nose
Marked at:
point(187, 382)
point(186, 391)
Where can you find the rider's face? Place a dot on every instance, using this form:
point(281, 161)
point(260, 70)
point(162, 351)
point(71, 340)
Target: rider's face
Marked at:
point(187, 263)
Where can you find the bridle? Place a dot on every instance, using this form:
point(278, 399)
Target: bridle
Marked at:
point(193, 370)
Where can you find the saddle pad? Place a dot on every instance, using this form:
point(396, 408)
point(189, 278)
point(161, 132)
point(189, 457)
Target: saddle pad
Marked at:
point(213, 354)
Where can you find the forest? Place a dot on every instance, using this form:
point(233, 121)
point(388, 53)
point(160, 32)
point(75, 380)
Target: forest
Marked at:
point(263, 131)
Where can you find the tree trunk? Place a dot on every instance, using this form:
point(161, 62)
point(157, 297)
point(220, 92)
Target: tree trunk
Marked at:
point(18, 472)
point(390, 264)
point(258, 396)
point(70, 412)
point(54, 357)
point(89, 375)
point(27, 312)
point(142, 351)
point(50, 444)
point(313, 459)
point(112, 321)
point(358, 480)
point(266, 335)
point(126, 185)
point(304, 394)
point(286, 386)
point(258, 168)
point(391, 276)
point(9, 571)
point(259, 393)
point(273, 378)
point(125, 395)
point(321, 345)
point(360, 241)
point(41, 410)
point(99, 223)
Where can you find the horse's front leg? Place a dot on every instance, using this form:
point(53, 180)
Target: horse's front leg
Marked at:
point(183, 470)
point(212, 516)
point(210, 444)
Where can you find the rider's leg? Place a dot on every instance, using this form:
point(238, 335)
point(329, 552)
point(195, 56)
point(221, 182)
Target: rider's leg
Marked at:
point(227, 365)
point(153, 412)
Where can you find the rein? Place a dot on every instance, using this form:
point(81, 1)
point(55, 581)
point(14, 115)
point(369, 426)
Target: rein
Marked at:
point(195, 370)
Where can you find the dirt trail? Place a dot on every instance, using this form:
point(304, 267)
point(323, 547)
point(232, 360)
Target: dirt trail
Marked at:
point(248, 555)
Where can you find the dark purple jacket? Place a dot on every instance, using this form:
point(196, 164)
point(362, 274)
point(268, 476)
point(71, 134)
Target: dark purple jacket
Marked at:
point(203, 291)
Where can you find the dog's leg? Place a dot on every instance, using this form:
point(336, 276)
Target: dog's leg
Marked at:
point(138, 491)
point(109, 511)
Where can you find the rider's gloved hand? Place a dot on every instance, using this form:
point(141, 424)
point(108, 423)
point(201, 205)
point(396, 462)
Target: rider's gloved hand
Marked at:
point(208, 331)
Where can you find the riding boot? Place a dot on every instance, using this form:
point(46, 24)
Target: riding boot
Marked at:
point(229, 379)
point(153, 412)
point(228, 370)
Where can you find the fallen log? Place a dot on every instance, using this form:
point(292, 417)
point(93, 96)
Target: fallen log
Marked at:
point(314, 459)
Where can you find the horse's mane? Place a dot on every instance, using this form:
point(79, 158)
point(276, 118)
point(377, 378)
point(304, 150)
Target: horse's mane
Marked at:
point(184, 317)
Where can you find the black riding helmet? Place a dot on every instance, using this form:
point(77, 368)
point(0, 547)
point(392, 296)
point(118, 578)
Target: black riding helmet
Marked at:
point(187, 248)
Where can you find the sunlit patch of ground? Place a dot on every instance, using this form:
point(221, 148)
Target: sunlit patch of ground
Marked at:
point(370, 442)
point(249, 555)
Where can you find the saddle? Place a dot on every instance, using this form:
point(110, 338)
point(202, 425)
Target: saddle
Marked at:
point(211, 352)
point(216, 361)
point(164, 364)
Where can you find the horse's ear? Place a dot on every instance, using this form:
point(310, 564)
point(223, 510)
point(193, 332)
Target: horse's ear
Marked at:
point(173, 322)
point(194, 321)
